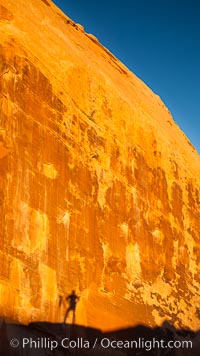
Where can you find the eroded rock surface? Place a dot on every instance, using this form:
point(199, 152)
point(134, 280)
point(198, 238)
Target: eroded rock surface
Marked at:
point(99, 188)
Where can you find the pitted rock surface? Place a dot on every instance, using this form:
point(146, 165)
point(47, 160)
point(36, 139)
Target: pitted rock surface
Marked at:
point(99, 188)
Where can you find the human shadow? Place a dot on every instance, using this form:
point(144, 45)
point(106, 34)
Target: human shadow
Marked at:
point(72, 300)
point(60, 339)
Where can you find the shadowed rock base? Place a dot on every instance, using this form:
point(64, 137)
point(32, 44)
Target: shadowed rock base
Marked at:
point(99, 188)
point(43, 338)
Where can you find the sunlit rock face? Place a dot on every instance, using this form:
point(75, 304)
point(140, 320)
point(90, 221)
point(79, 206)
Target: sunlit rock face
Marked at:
point(99, 188)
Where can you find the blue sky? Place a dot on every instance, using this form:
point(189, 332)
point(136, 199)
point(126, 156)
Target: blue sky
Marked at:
point(158, 40)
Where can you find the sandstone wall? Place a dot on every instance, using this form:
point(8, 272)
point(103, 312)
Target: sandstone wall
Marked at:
point(99, 188)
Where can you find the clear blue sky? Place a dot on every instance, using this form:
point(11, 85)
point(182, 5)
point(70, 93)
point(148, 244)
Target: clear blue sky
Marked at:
point(158, 40)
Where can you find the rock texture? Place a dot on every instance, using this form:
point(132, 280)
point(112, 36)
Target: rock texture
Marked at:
point(99, 188)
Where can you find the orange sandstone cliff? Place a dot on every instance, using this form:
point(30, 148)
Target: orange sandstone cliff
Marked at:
point(99, 188)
